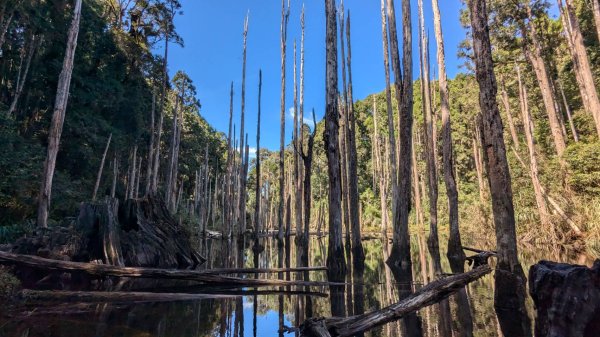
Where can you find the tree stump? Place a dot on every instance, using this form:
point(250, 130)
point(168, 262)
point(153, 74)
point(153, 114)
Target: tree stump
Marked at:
point(567, 299)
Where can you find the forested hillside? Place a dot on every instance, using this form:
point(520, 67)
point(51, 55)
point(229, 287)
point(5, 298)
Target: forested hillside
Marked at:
point(116, 89)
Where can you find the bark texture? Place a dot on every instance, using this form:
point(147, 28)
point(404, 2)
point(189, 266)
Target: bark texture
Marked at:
point(335, 251)
point(58, 118)
point(509, 297)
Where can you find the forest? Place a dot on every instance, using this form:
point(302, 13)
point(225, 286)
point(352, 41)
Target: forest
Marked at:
point(431, 208)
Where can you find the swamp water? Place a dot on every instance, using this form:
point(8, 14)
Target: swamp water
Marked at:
point(270, 311)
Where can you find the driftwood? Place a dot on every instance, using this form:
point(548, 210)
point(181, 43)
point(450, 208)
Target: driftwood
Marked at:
point(101, 270)
point(430, 294)
point(106, 297)
point(567, 299)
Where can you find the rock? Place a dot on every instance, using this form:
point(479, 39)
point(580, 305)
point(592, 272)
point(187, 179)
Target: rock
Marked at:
point(567, 299)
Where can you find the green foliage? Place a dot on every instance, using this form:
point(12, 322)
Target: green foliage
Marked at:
point(9, 284)
point(115, 77)
point(584, 167)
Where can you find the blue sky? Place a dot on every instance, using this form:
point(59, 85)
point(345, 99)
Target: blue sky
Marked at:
point(212, 56)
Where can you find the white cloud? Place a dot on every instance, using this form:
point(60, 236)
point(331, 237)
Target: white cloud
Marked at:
point(306, 120)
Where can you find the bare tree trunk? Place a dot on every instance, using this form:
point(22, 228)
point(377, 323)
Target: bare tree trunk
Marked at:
point(533, 166)
point(581, 61)
point(509, 297)
point(569, 116)
point(509, 117)
point(131, 181)
point(58, 118)
point(390, 114)
point(534, 54)
point(478, 163)
point(33, 44)
point(297, 180)
point(151, 147)
point(285, 14)
point(101, 168)
point(358, 253)
point(596, 10)
point(163, 97)
point(401, 248)
point(115, 175)
point(257, 225)
point(335, 255)
point(242, 172)
point(416, 190)
point(230, 163)
point(379, 168)
point(455, 252)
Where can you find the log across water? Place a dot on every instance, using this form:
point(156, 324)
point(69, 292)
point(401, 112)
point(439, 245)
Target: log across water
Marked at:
point(207, 277)
point(428, 295)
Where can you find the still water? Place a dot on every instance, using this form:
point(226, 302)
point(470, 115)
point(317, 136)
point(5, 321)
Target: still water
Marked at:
point(271, 311)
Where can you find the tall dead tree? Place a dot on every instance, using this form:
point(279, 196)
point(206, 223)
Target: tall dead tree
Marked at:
point(383, 197)
point(390, 113)
point(533, 51)
point(569, 115)
point(509, 296)
point(404, 96)
point(533, 165)
point(443, 308)
point(509, 117)
point(132, 177)
point(99, 176)
point(581, 61)
point(455, 251)
point(163, 98)
point(257, 220)
point(58, 118)
point(297, 180)
point(28, 50)
point(358, 253)
point(243, 166)
point(335, 252)
point(151, 145)
point(285, 14)
point(596, 11)
point(230, 163)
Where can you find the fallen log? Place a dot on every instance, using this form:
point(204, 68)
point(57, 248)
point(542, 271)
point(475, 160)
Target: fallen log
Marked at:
point(102, 270)
point(112, 297)
point(428, 295)
point(566, 298)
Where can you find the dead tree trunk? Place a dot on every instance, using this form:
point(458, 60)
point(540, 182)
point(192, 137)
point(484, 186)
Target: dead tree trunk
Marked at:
point(390, 114)
point(99, 177)
point(528, 126)
point(23, 72)
point(58, 118)
point(509, 117)
point(569, 115)
point(285, 14)
point(401, 249)
point(242, 173)
point(358, 253)
point(133, 174)
point(428, 295)
point(509, 297)
point(532, 50)
point(379, 168)
point(581, 60)
point(163, 97)
point(257, 222)
point(335, 254)
point(595, 9)
point(297, 180)
point(115, 175)
point(151, 146)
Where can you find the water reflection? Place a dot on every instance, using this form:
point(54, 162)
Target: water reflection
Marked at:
point(268, 313)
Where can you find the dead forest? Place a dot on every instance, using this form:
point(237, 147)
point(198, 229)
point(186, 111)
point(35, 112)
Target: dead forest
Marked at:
point(413, 211)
